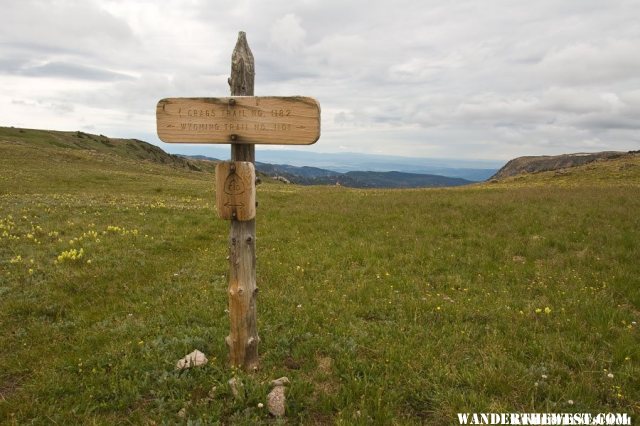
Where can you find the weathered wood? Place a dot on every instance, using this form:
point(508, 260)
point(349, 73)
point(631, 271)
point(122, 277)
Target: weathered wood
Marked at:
point(243, 337)
point(236, 190)
point(290, 120)
point(242, 68)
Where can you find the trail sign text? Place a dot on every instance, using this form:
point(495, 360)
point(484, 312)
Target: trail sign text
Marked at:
point(293, 120)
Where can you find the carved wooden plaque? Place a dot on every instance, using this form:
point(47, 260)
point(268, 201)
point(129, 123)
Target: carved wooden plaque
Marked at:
point(293, 120)
point(236, 190)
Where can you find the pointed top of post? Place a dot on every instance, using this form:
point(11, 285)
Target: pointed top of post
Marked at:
point(242, 68)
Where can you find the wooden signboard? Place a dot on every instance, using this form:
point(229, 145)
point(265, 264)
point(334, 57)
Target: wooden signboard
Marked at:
point(236, 190)
point(293, 120)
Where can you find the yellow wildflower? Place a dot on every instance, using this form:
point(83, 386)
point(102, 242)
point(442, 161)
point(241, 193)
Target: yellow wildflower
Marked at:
point(70, 255)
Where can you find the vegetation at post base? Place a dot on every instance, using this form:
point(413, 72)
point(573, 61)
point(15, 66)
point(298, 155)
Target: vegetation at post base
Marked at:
point(381, 306)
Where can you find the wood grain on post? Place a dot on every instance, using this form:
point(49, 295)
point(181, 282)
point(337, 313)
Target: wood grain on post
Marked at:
point(243, 337)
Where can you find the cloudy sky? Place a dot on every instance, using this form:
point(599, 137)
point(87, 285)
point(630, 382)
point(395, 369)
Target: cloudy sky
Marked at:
point(491, 79)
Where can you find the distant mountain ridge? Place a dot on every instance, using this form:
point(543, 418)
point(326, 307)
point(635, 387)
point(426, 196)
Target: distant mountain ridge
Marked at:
point(473, 170)
point(135, 150)
point(356, 179)
point(544, 163)
point(305, 175)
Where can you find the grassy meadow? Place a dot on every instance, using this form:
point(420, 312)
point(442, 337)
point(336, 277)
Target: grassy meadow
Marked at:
point(380, 306)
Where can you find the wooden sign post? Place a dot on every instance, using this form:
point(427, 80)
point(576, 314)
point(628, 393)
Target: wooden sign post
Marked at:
point(241, 120)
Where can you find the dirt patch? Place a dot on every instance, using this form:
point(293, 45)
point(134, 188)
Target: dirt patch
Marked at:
point(9, 385)
point(325, 383)
point(291, 363)
point(321, 419)
point(325, 364)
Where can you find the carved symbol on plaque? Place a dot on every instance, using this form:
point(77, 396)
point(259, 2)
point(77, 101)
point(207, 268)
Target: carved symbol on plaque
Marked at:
point(235, 190)
point(234, 185)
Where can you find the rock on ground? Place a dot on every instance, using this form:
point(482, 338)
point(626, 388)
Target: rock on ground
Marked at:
point(194, 359)
point(276, 401)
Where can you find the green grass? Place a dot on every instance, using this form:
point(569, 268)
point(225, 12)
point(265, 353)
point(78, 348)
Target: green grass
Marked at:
point(398, 306)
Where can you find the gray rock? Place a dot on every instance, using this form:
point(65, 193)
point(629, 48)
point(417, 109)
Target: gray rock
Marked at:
point(236, 385)
point(276, 400)
point(194, 359)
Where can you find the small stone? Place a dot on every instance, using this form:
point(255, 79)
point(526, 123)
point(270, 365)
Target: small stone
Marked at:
point(276, 401)
point(280, 382)
point(182, 413)
point(212, 392)
point(194, 359)
point(235, 384)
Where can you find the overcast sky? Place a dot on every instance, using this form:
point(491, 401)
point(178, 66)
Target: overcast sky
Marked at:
point(486, 79)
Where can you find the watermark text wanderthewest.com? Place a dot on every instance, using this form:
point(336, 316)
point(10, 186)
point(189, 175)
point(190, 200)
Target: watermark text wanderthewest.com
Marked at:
point(544, 419)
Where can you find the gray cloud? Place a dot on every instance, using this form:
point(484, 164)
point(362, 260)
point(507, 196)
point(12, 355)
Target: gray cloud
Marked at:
point(491, 79)
point(72, 71)
point(63, 26)
point(62, 108)
point(585, 63)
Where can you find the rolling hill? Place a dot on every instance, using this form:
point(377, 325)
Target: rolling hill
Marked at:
point(544, 163)
point(134, 149)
